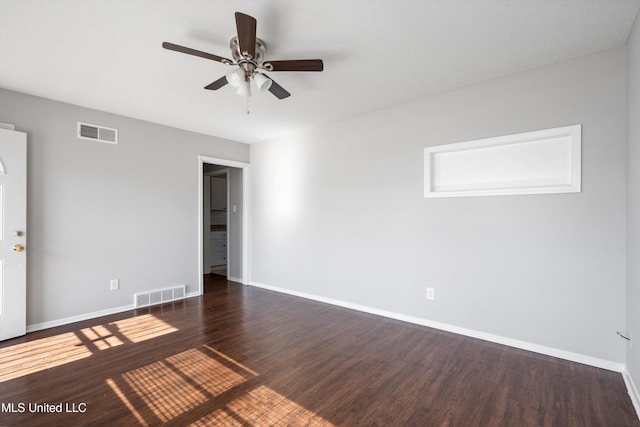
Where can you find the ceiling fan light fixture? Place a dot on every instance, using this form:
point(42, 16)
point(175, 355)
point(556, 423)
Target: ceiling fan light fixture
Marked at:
point(235, 77)
point(262, 82)
point(248, 52)
point(244, 89)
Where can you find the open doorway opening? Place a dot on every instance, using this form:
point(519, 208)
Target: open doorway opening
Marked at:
point(223, 223)
point(220, 225)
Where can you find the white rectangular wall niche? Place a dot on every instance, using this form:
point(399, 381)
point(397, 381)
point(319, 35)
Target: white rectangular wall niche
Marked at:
point(539, 162)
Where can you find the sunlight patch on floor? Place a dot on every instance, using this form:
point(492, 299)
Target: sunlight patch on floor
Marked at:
point(132, 330)
point(35, 356)
point(142, 328)
point(101, 337)
point(262, 407)
point(164, 391)
point(205, 380)
point(46, 353)
point(179, 383)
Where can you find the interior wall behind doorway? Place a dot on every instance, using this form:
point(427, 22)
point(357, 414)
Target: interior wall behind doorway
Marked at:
point(235, 209)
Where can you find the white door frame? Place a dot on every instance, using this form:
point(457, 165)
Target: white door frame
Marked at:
point(245, 215)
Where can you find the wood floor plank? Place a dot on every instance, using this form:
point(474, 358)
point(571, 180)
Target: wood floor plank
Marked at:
point(251, 357)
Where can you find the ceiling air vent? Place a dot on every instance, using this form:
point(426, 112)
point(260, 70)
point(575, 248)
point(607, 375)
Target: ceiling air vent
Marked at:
point(97, 133)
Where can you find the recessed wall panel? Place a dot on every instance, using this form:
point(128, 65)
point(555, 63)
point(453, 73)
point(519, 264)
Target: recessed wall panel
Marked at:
point(537, 162)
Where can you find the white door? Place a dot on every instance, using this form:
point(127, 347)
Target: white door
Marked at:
point(13, 225)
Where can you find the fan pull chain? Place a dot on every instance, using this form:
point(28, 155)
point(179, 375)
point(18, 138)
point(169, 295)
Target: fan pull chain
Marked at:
point(247, 105)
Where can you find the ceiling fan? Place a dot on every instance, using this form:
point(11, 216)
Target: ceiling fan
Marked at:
point(248, 53)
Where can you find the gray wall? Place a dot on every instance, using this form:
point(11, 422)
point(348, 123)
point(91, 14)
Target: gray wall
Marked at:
point(338, 212)
point(633, 212)
point(100, 211)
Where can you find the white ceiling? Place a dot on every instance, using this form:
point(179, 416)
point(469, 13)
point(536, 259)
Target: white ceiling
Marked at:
point(107, 54)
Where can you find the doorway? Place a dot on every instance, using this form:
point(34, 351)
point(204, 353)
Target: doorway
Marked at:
point(223, 225)
point(220, 224)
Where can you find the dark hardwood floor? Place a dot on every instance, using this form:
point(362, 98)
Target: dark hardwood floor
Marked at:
point(250, 357)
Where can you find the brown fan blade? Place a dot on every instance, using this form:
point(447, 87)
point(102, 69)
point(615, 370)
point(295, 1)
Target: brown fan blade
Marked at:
point(295, 65)
point(217, 84)
point(194, 52)
point(278, 90)
point(246, 26)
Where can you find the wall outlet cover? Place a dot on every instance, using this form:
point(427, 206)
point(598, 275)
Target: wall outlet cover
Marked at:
point(431, 294)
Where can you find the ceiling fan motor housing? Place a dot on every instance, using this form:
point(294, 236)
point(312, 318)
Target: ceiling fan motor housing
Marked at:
point(261, 49)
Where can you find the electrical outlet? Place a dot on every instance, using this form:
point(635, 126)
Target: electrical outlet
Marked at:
point(114, 284)
point(431, 294)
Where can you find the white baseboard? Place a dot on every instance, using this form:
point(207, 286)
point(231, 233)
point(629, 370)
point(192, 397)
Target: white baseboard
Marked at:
point(549, 351)
point(86, 316)
point(633, 391)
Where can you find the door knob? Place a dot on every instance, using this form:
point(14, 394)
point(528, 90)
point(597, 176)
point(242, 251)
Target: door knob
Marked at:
point(18, 248)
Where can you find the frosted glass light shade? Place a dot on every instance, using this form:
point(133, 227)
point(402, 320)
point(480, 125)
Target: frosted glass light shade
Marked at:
point(262, 82)
point(244, 89)
point(235, 77)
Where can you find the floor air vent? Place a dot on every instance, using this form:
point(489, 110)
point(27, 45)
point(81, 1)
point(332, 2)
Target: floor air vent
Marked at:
point(144, 299)
point(97, 133)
